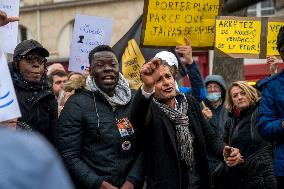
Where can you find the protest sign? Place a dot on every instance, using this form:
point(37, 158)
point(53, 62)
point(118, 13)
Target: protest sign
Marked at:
point(238, 35)
point(167, 22)
point(9, 32)
point(247, 37)
point(132, 61)
point(9, 108)
point(89, 32)
point(274, 24)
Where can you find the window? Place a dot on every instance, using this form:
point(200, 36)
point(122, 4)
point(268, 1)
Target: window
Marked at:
point(23, 34)
point(263, 8)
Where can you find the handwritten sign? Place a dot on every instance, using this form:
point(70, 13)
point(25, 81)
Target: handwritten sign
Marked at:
point(132, 61)
point(9, 108)
point(167, 22)
point(238, 35)
point(272, 32)
point(9, 32)
point(89, 32)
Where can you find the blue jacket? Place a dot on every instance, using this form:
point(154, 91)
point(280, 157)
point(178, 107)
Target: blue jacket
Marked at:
point(197, 90)
point(271, 116)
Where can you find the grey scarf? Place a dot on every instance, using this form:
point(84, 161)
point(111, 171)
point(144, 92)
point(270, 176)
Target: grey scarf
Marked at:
point(122, 92)
point(184, 136)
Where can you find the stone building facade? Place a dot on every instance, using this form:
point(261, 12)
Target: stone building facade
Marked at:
point(51, 21)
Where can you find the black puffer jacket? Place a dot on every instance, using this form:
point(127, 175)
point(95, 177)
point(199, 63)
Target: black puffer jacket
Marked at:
point(37, 104)
point(92, 146)
point(257, 170)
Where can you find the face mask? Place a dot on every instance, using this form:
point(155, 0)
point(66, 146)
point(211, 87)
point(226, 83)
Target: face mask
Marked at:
point(213, 97)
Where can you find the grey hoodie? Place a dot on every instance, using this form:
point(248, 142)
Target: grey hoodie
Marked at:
point(218, 79)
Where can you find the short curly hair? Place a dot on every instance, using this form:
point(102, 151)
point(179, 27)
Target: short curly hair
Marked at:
point(99, 48)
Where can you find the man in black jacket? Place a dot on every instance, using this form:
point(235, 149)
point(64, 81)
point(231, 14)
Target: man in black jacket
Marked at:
point(34, 93)
point(96, 138)
point(175, 132)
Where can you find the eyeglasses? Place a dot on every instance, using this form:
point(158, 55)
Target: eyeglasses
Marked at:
point(33, 59)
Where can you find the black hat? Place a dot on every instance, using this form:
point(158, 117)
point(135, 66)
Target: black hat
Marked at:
point(26, 46)
point(280, 38)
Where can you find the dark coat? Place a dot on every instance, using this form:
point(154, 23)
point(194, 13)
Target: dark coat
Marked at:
point(163, 169)
point(198, 89)
point(91, 145)
point(217, 123)
point(257, 170)
point(37, 104)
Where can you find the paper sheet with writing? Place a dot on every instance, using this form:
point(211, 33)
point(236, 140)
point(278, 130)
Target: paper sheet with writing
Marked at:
point(9, 32)
point(168, 22)
point(272, 32)
point(9, 108)
point(89, 32)
point(235, 36)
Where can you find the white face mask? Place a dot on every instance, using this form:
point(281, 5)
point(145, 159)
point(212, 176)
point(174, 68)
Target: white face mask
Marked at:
point(213, 97)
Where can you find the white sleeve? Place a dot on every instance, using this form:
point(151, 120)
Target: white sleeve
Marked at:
point(145, 94)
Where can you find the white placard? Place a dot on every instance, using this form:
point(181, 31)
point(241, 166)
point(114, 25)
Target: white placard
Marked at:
point(89, 32)
point(9, 32)
point(9, 108)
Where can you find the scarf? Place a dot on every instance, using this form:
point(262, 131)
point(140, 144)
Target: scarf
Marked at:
point(42, 85)
point(180, 119)
point(31, 93)
point(122, 92)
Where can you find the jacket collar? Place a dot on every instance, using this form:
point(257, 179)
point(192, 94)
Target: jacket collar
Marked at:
point(20, 82)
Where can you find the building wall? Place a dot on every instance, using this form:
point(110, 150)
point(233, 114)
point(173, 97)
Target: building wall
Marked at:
point(279, 8)
point(279, 4)
point(35, 2)
point(46, 21)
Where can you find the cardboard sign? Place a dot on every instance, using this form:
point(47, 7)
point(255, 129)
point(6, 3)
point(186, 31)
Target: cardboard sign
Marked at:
point(238, 35)
point(247, 37)
point(9, 108)
point(89, 32)
point(167, 22)
point(274, 24)
point(9, 32)
point(132, 61)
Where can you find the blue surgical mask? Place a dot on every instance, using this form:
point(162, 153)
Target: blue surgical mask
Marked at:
point(213, 97)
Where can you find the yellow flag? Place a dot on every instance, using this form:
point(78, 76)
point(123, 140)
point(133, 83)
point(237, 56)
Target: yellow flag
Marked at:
point(132, 61)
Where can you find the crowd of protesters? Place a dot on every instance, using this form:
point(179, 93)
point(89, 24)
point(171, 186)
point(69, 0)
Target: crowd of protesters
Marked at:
point(110, 136)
